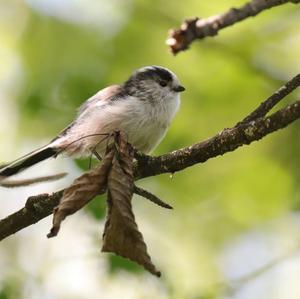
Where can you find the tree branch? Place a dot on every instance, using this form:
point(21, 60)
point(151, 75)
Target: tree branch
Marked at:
point(226, 141)
point(275, 98)
point(36, 208)
point(197, 28)
point(243, 133)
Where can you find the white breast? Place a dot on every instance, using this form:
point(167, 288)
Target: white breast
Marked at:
point(148, 123)
point(144, 122)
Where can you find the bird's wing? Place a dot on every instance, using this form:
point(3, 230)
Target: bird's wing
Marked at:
point(105, 94)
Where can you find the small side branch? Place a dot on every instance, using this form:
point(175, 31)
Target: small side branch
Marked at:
point(197, 28)
point(265, 107)
point(150, 196)
point(28, 182)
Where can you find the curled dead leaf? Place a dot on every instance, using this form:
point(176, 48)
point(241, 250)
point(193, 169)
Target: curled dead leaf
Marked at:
point(83, 189)
point(115, 173)
point(121, 234)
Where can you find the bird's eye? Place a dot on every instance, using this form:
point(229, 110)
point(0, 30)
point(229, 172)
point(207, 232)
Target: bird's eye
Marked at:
point(163, 83)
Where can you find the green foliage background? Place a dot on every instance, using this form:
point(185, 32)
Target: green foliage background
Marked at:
point(65, 62)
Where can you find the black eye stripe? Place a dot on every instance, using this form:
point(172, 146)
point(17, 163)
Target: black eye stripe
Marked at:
point(156, 73)
point(163, 74)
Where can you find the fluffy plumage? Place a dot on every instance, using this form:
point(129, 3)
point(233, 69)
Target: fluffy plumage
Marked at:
point(143, 107)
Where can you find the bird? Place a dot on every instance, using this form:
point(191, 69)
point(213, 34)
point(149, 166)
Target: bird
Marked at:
point(142, 107)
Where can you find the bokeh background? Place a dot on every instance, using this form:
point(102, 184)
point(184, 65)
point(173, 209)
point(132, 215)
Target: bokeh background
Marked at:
point(235, 228)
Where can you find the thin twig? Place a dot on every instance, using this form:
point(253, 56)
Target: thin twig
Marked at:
point(150, 196)
point(27, 182)
point(84, 137)
point(275, 98)
point(197, 28)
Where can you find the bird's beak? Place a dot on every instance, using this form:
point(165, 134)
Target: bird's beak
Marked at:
point(179, 88)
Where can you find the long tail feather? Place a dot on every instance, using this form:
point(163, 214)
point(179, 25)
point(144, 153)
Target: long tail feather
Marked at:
point(27, 161)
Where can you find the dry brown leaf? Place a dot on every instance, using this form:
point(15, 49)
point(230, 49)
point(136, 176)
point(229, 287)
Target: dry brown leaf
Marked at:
point(83, 189)
point(121, 234)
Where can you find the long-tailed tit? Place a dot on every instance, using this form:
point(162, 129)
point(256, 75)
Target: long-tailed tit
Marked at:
point(142, 107)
